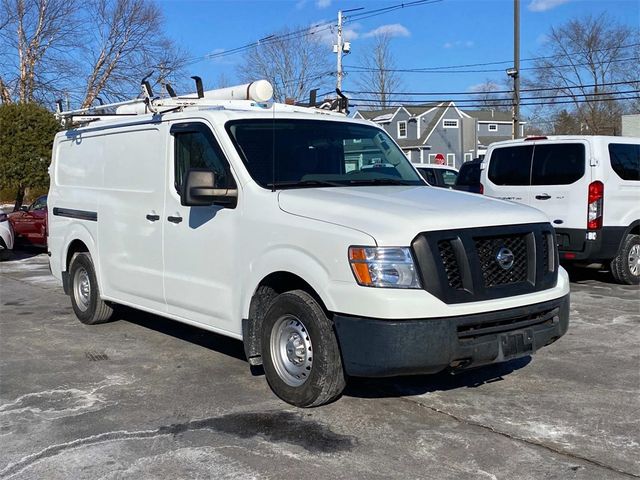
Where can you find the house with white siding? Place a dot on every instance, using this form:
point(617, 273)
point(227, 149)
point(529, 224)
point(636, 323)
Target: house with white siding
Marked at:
point(425, 131)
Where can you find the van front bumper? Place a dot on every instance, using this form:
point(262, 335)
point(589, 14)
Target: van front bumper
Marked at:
point(383, 348)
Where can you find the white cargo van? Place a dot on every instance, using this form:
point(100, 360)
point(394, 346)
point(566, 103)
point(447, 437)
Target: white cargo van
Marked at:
point(589, 188)
point(263, 222)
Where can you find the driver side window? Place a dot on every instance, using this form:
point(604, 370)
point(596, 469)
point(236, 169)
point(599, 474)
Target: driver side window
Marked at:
point(196, 147)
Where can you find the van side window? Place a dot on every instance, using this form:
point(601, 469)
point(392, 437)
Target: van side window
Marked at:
point(198, 148)
point(625, 160)
point(558, 164)
point(511, 165)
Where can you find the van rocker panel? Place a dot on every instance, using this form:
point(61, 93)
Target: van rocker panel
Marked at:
point(383, 348)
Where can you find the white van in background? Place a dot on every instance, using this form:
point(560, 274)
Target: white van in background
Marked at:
point(589, 187)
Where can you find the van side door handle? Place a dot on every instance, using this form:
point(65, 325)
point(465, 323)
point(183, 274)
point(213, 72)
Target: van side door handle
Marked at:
point(174, 219)
point(543, 197)
point(153, 218)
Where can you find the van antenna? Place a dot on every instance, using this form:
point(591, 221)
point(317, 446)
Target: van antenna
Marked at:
point(199, 88)
point(170, 90)
point(59, 106)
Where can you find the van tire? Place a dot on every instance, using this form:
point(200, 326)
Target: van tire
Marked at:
point(620, 268)
point(85, 293)
point(318, 377)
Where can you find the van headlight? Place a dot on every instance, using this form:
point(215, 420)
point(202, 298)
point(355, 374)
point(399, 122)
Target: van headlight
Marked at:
point(389, 267)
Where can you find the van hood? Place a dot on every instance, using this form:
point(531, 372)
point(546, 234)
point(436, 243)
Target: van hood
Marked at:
point(394, 215)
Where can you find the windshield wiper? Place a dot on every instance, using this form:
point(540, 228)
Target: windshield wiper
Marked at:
point(305, 183)
point(380, 181)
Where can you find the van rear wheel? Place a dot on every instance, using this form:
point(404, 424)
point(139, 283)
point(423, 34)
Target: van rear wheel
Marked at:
point(300, 351)
point(625, 267)
point(85, 294)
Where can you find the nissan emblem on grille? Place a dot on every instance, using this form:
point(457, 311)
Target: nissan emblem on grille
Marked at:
point(505, 258)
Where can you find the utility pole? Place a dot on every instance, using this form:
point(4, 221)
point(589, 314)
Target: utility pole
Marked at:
point(516, 66)
point(341, 47)
point(338, 50)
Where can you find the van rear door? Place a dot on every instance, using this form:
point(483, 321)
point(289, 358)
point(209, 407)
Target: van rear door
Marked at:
point(508, 176)
point(560, 177)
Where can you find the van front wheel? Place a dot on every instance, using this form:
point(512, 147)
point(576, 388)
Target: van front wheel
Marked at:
point(300, 351)
point(85, 295)
point(626, 266)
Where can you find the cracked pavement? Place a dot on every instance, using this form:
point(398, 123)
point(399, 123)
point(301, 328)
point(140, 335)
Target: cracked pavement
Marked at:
point(145, 397)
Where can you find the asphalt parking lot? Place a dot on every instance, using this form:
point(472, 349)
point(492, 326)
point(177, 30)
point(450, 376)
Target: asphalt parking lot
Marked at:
point(144, 397)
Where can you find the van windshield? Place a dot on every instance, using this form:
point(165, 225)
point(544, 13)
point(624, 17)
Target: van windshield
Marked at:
point(317, 153)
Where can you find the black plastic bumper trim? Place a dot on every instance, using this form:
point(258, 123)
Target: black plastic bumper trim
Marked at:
point(373, 347)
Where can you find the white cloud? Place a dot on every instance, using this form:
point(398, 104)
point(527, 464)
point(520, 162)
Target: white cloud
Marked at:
point(459, 43)
point(323, 3)
point(544, 5)
point(391, 30)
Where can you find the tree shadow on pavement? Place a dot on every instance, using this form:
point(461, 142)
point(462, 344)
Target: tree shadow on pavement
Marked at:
point(420, 384)
point(213, 341)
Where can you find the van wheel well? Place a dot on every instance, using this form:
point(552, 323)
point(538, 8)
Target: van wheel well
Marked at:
point(635, 230)
point(269, 288)
point(76, 246)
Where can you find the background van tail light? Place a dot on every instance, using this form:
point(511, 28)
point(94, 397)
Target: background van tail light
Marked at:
point(481, 192)
point(595, 206)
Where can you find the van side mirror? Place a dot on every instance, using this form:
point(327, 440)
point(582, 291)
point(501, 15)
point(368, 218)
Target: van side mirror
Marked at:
point(24, 208)
point(198, 189)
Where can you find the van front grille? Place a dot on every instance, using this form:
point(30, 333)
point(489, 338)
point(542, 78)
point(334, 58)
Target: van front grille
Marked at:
point(493, 272)
point(467, 265)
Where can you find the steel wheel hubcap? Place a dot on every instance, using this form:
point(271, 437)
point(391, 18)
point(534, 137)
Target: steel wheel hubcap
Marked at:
point(291, 350)
point(634, 260)
point(82, 289)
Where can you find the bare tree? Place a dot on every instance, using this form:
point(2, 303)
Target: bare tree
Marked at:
point(378, 76)
point(33, 37)
point(293, 60)
point(485, 96)
point(53, 48)
point(581, 60)
point(125, 45)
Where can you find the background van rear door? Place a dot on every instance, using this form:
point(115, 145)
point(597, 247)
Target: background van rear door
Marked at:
point(509, 173)
point(560, 177)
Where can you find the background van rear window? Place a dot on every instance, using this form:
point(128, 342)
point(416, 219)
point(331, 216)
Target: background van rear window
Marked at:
point(625, 160)
point(511, 165)
point(558, 164)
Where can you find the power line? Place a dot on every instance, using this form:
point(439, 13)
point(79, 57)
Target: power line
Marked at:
point(372, 103)
point(507, 101)
point(306, 31)
point(481, 92)
point(504, 62)
point(411, 70)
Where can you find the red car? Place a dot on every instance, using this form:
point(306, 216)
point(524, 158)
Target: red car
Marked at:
point(30, 223)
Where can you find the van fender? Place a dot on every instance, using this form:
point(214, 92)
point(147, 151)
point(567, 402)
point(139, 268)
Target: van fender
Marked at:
point(78, 231)
point(296, 261)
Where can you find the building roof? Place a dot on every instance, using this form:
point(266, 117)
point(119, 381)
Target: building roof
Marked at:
point(373, 114)
point(489, 115)
point(486, 140)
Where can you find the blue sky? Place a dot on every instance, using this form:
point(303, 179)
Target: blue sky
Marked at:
point(450, 32)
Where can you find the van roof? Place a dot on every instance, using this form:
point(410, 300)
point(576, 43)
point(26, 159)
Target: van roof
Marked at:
point(555, 138)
